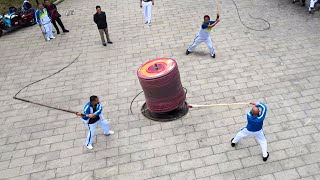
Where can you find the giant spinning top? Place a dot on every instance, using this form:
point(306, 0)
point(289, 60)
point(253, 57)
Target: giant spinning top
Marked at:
point(164, 94)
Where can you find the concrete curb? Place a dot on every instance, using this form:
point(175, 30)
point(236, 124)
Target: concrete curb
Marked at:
point(58, 2)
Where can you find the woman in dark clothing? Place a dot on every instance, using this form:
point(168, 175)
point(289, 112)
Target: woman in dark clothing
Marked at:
point(55, 16)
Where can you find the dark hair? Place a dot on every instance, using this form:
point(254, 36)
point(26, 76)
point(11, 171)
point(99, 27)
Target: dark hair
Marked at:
point(93, 97)
point(206, 16)
point(98, 7)
point(39, 4)
point(46, 0)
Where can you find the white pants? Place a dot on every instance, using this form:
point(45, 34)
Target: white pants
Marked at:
point(92, 128)
point(259, 136)
point(199, 40)
point(312, 3)
point(47, 28)
point(147, 11)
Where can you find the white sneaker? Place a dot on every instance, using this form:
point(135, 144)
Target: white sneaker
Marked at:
point(89, 146)
point(52, 37)
point(48, 39)
point(109, 133)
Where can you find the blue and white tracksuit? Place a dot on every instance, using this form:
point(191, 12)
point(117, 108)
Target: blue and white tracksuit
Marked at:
point(43, 18)
point(203, 36)
point(88, 109)
point(254, 127)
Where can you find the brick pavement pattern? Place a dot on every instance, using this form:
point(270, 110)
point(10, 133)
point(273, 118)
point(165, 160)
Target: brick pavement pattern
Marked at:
point(280, 67)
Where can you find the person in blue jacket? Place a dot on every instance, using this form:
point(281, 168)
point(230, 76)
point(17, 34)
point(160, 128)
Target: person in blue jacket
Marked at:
point(94, 117)
point(254, 127)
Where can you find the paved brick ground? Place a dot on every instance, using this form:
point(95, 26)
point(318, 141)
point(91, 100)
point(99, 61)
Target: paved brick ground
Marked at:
point(279, 67)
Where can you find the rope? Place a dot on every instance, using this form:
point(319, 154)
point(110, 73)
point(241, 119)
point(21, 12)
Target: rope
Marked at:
point(44, 105)
point(132, 103)
point(212, 105)
point(251, 17)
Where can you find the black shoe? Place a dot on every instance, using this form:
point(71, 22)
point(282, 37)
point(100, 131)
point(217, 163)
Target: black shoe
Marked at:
point(303, 5)
point(104, 44)
point(58, 32)
point(110, 42)
point(265, 158)
point(213, 56)
point(187, 52)
point(233, 144)
point(294, 1)
point(65, 30)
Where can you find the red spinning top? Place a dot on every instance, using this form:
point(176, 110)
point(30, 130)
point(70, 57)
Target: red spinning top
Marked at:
point(160, 81)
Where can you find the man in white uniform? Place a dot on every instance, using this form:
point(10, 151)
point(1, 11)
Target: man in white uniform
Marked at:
point(44, 21)
point(147, 10)
point(94, 117)
point(254, 127)
point(204, 35)
point(312, 3)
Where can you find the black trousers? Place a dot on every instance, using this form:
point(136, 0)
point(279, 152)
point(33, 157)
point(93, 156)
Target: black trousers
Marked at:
point(54, 22)
point(302, 1)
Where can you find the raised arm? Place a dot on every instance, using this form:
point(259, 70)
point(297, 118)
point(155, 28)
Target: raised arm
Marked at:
point(264, 109)
point(215, 22)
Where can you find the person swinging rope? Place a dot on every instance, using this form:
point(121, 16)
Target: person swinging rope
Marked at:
point(93, 117)
point(254, 127)
point(204, 35)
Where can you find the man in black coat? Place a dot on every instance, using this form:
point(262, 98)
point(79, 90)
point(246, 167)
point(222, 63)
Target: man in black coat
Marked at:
point(100, 19)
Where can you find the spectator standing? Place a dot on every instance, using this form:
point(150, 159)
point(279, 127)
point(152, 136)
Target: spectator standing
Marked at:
point(55, 16)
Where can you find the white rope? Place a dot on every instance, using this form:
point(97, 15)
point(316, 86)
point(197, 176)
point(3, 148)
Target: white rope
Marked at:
point(212, 105)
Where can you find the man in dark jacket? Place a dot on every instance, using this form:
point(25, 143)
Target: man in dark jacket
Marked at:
point(101, 20)
point(55, 16)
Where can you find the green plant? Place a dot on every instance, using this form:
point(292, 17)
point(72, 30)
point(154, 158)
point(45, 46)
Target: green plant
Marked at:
point(5, 4)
